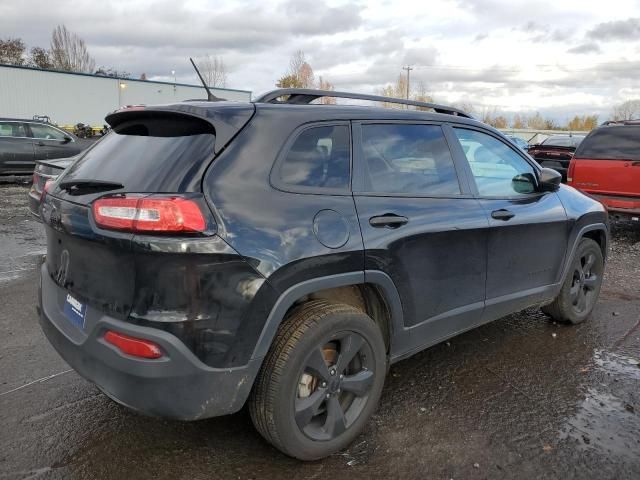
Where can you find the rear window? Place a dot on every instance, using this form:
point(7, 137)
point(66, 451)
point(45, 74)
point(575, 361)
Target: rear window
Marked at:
point(612, 143)
point(159, 153)
point(563, 141)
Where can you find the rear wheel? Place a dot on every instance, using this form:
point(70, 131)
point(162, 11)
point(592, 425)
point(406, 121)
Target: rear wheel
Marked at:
point(321, 380)
point(581, 288)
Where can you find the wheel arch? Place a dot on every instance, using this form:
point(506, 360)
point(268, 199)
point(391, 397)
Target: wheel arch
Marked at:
point(380, 296)
point(598, 232)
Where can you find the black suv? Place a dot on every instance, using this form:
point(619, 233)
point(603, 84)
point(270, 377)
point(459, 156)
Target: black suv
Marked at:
point(279, 253)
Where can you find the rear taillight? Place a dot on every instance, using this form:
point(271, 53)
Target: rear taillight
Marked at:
point(136, 347)
point(45, 189)
point(572, 167)
point(149, 214)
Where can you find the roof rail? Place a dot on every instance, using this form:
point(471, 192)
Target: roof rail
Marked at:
point(632, 121)
point(302, 96)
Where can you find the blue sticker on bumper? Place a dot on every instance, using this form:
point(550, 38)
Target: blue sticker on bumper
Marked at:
point(75, 311)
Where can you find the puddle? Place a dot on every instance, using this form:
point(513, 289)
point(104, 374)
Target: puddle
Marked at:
point(605, 422)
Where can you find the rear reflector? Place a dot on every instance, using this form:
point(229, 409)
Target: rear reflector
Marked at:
point(135, 347)
point(149, 214)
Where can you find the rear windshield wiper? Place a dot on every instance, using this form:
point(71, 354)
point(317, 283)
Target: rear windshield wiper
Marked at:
point(80, 187)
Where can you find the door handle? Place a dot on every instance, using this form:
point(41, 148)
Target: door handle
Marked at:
point(635, 164)
point(502, 214)
point(388, 220)
point(40, 144)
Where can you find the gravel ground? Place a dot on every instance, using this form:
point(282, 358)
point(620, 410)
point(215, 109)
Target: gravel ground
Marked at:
point(521, 397)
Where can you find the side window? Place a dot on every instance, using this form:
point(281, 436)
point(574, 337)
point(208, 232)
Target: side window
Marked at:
point(497, 169)
point(45, 132)
point(403, 158)
point(319, 157)
point(12, 129)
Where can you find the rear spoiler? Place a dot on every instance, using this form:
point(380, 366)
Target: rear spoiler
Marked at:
point(227, 118)
point(540, 146)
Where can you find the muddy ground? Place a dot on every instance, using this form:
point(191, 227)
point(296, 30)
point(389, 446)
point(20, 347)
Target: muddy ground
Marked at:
point(519, 398)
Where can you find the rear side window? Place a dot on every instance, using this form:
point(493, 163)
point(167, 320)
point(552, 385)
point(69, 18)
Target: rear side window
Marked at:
point(158, 153)
point(319, 157)
point(412, 159)
point(612, 143)
point(12, 129)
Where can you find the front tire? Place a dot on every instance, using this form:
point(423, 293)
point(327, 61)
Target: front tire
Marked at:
point(580, 290)
point(320, 381)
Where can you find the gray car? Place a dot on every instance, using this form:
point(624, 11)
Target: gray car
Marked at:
point(23, 142)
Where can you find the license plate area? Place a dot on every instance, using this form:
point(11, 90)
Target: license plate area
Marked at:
point(75, 311)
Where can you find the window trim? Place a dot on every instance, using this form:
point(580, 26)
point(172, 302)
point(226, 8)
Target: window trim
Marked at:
point(278, 184)
point(360, 171)
point(458, 151)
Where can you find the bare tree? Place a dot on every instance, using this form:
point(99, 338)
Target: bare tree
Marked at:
point(69, 52)
point(40, 58)
point(300, 73)
point(12, 51)
point(213, 71)
point(326, 85)
point(629, 110)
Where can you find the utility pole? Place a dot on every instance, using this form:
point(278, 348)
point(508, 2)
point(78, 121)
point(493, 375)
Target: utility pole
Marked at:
point(408, 68)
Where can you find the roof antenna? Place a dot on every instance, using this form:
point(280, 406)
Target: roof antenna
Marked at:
point(210, 96)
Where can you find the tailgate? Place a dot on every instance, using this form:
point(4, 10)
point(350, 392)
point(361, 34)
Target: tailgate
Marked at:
point(607, 177)
point(96, 268)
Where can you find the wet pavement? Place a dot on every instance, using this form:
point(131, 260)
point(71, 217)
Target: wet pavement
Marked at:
point(519, 398)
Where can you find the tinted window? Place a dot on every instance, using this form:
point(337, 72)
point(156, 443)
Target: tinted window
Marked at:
point(408, 159)
point(319, 157)
point(167, 154)
point(12, 129)
point(45, 132)
point(611, 143)
point(497, 169)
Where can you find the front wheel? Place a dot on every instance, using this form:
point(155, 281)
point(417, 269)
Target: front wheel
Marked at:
point(321, 380)
point(581, 288)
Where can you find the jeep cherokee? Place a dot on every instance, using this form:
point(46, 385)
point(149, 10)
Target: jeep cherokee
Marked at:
point(279, 253)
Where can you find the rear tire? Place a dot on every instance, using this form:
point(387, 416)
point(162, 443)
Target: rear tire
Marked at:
point(580, 290)
point(320, 381)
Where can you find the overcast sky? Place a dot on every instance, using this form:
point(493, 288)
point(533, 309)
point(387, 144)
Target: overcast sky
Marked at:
point(561, 57)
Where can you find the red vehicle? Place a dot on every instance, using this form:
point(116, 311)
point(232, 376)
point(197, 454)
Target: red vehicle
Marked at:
point(556, 152)
point(606, 166)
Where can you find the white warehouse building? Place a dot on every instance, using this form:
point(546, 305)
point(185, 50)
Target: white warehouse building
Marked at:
point(69, 98)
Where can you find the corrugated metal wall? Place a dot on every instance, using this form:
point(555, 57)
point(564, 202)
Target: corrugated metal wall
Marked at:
point(72, 98)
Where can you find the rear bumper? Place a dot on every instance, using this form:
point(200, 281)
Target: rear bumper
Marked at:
point(620, 205)
point(177, 385)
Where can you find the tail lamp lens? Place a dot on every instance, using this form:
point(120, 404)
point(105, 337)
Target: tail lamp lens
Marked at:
point(136, 347)
point(570, 171)
point(47, 186)
point(149, 214)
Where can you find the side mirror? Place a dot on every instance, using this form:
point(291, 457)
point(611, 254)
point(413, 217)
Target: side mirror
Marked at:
point(550, 180)
point(66, 139)
point(524, 183)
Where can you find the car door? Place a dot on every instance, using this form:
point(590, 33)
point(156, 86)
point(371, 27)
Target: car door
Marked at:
point(51, 142)
point(528, 232)
point(16, 148)
point(421, 227)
